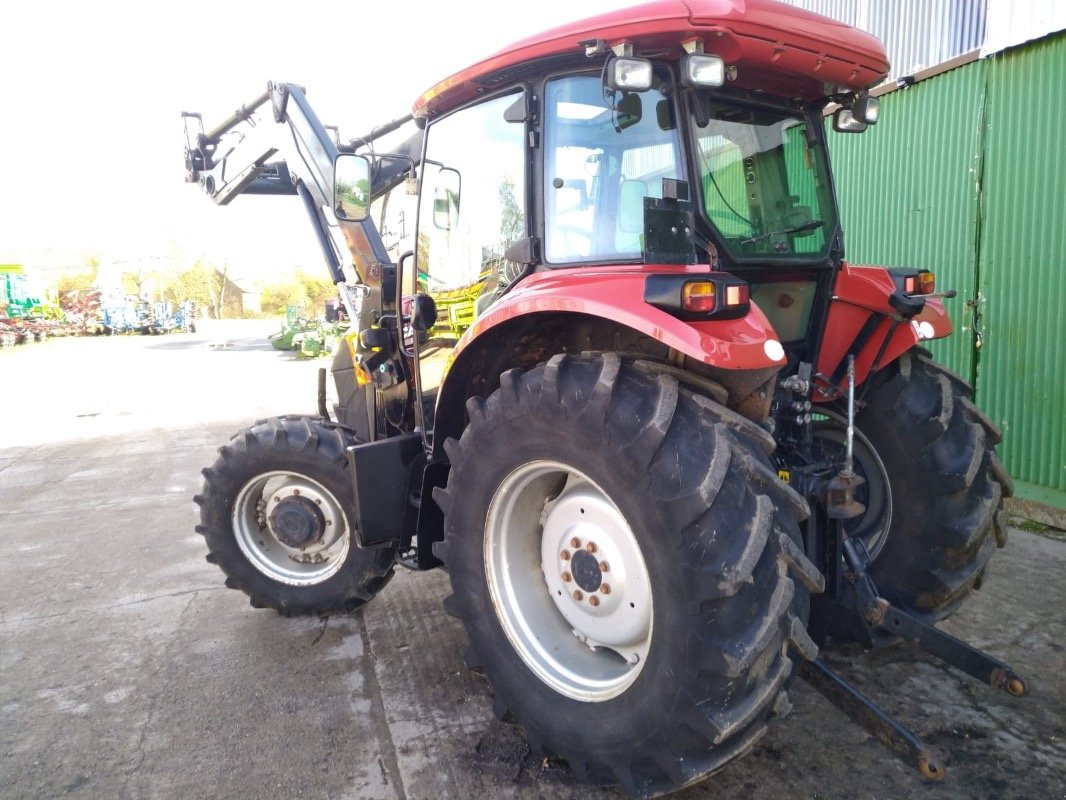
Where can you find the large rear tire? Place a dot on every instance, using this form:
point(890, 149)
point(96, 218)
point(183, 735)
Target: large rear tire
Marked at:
point(625, 563)
point(276, 513)
point(944, 512)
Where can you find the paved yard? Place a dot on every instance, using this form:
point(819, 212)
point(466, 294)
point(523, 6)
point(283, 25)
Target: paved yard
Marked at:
point(127, 670)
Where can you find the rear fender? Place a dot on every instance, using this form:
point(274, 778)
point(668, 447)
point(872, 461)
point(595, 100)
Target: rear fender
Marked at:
point(617, 293)
point(860, 319)
point(530, 324)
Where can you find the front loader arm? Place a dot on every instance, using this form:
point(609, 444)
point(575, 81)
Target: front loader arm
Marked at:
point(277, 145)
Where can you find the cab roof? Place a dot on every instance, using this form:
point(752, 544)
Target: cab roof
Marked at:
point(776, 48)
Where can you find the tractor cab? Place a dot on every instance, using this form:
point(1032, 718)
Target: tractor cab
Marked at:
point(680, 147)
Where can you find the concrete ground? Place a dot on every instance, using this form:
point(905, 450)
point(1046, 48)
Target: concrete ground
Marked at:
point(128, 671)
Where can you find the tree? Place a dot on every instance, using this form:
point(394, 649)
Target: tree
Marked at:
point(219, 281)
point(277, 297)
point(76, 283)
point(136, 281)
point(318, 290)
point(193, 284)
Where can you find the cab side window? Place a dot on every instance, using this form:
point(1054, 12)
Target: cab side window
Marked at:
point(472, 208)
point(603, 156)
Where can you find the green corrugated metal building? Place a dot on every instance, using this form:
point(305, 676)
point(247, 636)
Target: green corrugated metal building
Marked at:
point(966, 175)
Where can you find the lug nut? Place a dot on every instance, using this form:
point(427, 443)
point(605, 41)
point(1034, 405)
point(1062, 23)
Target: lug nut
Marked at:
point(578, 594)
point(296, 492)
point(605, 588)
point(565, 555)
point(575, 542)
point(594, 600)
point(604, 567)
point(567, 577)
point(591, 547)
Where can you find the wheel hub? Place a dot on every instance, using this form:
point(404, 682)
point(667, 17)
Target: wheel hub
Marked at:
point(568, 581)
point(291, 528)
point(595, 573)
point(297, 522)
point(586, 570)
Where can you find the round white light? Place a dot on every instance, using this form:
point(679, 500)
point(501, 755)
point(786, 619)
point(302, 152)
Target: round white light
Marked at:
point(773, 349)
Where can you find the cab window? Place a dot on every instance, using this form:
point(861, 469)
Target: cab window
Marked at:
point(603, 155)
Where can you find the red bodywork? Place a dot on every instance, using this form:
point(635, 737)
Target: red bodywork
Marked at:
point(858, 293)
point(775, 47)
point(617, 294)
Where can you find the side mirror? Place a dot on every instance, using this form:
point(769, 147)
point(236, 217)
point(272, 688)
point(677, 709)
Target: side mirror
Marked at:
point(863, 111)
point(446, 199)
point(844, 122)
point(351, 187)
point(628, 112)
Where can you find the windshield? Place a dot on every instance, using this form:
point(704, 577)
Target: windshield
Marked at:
point(765, 187)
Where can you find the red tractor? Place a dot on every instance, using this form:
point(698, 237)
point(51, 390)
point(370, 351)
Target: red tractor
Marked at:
point(627, 391)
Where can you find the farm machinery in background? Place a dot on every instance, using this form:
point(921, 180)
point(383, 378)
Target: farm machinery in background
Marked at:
point(626, 389)
point(27, 313)
point(311, 337)
point(31, 314)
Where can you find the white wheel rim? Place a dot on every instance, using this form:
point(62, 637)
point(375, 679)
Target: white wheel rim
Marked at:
point(568, 581)
point(295, 566)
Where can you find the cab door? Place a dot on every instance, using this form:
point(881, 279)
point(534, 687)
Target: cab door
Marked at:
point(472, 208)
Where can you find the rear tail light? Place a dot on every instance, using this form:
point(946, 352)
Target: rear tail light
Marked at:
point(698, 297)
point(717, 296)
point(926, 283)
point(922, 283)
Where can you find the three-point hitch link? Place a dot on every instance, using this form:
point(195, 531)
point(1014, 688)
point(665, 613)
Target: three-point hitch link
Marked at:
point(876, 617)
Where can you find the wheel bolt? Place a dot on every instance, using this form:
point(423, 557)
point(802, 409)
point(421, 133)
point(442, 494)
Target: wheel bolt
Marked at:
point(319, 502)
point(567, 577)
point(578, 594)
point(604, 567)
point(605, 588)
point(296, 492)
point(591, 547)
point(575, 542)
point(594, 600)
point(565, 555)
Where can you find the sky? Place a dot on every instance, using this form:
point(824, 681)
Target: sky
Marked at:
point(90, 128)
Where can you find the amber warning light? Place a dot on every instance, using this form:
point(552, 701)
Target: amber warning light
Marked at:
point(698, 297)
point(722, 297)
point(922, 283)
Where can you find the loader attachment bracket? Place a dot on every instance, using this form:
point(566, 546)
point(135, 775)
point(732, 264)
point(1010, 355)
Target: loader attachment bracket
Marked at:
point(381, 477)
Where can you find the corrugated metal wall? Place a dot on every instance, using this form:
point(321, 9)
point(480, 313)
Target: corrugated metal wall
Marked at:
point(916, 33)
point(908, 191)
point(1022, 369)
point(966, 175)
point(1013, 22)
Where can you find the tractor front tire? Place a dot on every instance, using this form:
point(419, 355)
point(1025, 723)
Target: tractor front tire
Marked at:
point(946, 486)
point(276, 513)
point(625, 564)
